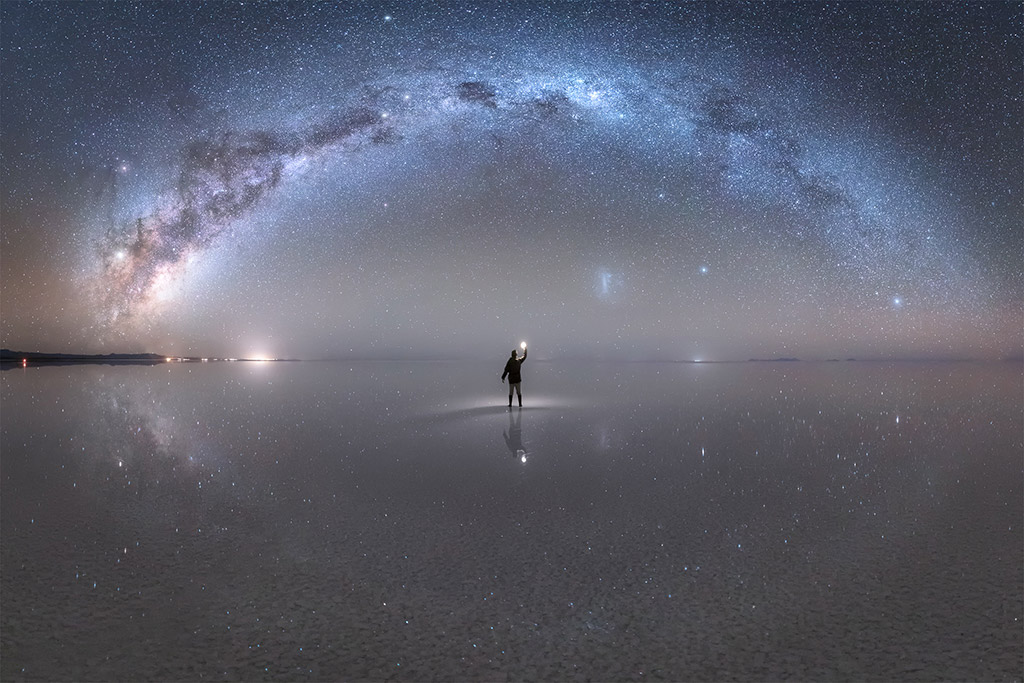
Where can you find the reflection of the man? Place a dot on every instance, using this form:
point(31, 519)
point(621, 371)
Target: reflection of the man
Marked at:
point(514, 435)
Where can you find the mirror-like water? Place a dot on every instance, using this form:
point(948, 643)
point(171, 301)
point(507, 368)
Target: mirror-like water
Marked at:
point(632, 521)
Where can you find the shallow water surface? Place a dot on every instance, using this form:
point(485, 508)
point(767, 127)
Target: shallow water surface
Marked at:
point(326, 520)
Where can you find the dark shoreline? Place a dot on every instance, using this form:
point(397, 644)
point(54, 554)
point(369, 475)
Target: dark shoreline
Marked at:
point(7, 364)
point(11, 359)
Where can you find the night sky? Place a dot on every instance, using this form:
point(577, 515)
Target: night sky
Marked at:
point(638, 181)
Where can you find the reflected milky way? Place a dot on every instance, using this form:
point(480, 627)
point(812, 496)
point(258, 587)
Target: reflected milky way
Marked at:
point(325, 520)
point(625, 180)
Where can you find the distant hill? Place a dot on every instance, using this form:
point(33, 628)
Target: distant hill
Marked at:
point(9, 356)
point(773, 360)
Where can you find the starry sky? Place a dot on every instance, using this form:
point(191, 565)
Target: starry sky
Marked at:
point(643, 181)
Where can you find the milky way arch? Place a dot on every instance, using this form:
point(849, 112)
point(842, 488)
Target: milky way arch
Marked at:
point(717, 129)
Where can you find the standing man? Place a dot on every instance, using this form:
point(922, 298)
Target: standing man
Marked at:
point(515, 379)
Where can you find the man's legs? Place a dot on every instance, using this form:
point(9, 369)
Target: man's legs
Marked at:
point(511, 387)
point(519, 393)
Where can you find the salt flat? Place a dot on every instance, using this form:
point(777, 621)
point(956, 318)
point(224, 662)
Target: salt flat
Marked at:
point(371, 520)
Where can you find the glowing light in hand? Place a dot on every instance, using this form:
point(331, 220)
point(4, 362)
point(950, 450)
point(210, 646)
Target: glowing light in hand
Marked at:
point(522, 345)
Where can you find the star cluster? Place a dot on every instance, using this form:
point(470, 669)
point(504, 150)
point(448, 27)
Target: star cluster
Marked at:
point(624, 180)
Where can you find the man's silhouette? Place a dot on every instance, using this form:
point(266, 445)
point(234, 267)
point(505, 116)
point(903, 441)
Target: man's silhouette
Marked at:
point(515, 379)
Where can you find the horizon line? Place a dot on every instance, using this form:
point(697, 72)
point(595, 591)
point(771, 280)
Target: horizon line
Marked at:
point(9, 355)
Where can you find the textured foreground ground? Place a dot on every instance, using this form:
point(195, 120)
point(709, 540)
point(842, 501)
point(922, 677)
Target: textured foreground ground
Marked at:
point(644, 521)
